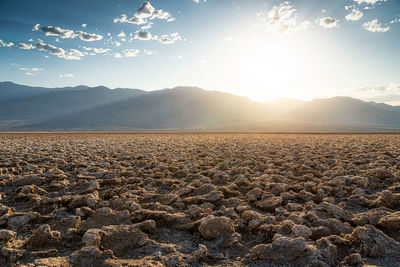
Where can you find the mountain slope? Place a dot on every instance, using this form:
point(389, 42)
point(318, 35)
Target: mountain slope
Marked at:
point(11, 91)
point(185, 109)
point(59, 102)
point(181, 107)
point(345, 110)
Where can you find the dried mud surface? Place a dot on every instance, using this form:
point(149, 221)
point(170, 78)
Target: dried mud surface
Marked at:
point(199, 200)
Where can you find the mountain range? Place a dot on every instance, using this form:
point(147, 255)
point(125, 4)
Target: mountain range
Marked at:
point(83, 108)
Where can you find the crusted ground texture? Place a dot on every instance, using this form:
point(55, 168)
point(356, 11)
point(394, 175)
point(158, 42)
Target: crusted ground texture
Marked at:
point(199, 200)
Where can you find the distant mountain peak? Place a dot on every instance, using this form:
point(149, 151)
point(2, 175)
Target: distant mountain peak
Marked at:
point(99, 88)
point(187, 88)
point(181, 108)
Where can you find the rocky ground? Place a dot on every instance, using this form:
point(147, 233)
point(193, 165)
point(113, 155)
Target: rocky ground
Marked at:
point(199, 200)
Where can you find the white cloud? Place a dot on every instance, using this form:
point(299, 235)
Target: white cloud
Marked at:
point(84, 25)
point(131, 52)
point(147, 26)
point(97, 50)
point(30, 71)
point(145, 13)
point(371, 2)
point(26, 46)
point(57, 31)
point(282, 19)
point(169, 39)
point(386, 93)
point(143, 35)
point(328, 22)
point(375, 26)
point(121, 34)
point(50, 48)
point(36, 27)
point(355, 14)
point(395, 21)
point(65, 33)
point(66, 75)
point(198, 1)
point(5, 44)
point(88, 37)
point(71, 54)
point(149, 52)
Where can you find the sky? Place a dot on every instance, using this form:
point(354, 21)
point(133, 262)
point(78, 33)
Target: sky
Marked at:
point(261, 49)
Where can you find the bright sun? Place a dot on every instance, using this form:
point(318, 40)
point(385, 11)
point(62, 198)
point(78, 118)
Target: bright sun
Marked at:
point(265, 68)
point(272, 67)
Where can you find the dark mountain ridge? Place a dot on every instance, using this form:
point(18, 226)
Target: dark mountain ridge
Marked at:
point(83, 108)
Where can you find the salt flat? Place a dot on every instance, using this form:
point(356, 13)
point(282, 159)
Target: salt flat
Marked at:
point(199, 199)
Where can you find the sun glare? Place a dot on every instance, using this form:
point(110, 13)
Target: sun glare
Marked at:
point(269, 69)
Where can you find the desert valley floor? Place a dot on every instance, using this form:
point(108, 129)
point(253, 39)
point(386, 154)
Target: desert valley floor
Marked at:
point(199, 200)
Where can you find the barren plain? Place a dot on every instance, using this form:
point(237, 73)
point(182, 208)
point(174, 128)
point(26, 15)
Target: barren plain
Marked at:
point(199, 200)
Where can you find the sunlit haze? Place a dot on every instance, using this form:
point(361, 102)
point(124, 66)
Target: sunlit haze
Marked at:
point(263, 50)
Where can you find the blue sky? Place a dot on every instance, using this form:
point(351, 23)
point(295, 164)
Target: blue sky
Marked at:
point(260, 49)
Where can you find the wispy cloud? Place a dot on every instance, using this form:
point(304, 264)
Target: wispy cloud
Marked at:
point(371, 2)
point(5, 44)
point(169, 38)
point(283, 19)
point(143, 35)
point(71, 54)
point(121, 34)
point(57, 31)
point(36, 27)
point(30, 71)
point(131, 52)
point(149, 52)
point(95, 50)
point(66, 75)
point(147, 26)
point(375, 26)
point(328, 22)
point(354, 15)
point(145, 13)
point(387, 93)
point(50, 48)
point(25, 46)
point(88, 37)
point(66, 33)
